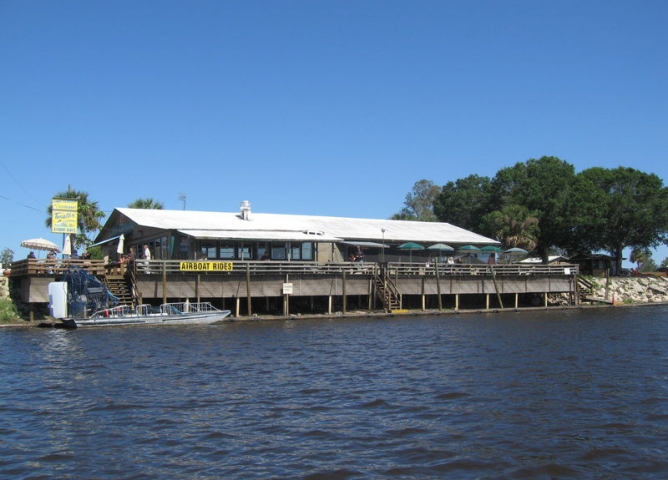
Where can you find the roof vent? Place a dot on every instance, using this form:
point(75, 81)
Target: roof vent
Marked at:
point(245, 210)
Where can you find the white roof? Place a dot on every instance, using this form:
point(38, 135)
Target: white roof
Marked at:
point(274, 226)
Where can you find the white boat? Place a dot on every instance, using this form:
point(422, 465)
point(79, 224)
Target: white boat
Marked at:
point(180, 313)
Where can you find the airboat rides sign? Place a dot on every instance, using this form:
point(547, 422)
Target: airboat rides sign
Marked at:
point(63, 216)
point(206, 266)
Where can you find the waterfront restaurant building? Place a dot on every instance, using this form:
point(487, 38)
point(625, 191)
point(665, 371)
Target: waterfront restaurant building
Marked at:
point(250, 236)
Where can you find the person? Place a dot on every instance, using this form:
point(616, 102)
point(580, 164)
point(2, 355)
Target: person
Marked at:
point(51, 260)
point(359, 255)
point(31, 255)
point(146, 255)
point(74, 255)
point(265, 256)
point(451, 261)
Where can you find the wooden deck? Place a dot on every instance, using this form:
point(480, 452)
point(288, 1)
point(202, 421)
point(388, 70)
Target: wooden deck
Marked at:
point(237, 284)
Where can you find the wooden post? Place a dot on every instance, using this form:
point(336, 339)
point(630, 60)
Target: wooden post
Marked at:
point(343, 290)
point(197, 280)
point(496, 286)
point(248, 288)
point(164, 282)
point(456, 301)
point(424, 297)
point(438, 288)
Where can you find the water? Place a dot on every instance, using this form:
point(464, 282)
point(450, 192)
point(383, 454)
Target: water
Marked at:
point(557, 394)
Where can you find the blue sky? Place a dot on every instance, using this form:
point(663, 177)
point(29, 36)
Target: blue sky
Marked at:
point(316, 107)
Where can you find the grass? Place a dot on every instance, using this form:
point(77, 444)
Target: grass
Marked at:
point(8, 311)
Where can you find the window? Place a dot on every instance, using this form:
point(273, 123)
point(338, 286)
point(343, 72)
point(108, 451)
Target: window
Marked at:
point(227, 251)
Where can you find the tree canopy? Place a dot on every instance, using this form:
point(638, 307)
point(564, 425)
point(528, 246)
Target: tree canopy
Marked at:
point(544, 206)
point(419, 203)
point(146, 203)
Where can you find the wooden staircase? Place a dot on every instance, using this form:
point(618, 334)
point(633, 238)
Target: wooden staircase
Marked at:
point(119, 287)
point(586, 292)
point(386, 291)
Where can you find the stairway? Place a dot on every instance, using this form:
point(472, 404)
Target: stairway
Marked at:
point(386, 292)
point(118, 286)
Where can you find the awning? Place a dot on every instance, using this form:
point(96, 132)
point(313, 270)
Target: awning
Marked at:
point(106, 241)
point(270, 235)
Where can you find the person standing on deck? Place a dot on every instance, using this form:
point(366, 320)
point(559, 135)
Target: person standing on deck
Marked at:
point(146, 255)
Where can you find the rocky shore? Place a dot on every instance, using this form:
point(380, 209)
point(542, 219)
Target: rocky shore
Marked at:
point(632, 290)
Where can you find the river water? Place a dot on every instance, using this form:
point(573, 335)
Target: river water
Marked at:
point(573, 393)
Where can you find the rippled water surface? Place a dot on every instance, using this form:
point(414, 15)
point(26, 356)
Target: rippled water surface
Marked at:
point(558, 394)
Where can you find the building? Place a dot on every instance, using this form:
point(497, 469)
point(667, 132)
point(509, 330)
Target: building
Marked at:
point(248, 236)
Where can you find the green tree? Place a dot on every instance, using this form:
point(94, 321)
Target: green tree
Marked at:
point(146, 203)
point(640, 256)
point(419, 203)
point(6, 257)
point(542, 186)
point(88, 215)
point(635, 210)
point(464, 202)
point(514, 226)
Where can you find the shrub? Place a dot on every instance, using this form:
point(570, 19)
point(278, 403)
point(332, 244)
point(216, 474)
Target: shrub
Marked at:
point(8, 311)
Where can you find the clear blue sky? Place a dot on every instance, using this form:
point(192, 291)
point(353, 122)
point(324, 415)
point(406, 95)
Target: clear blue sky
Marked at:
point(316, 107)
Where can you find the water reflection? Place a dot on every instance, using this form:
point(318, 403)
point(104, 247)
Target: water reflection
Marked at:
point(568, 393)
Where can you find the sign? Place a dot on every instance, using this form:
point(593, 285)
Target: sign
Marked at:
point(64, 216)
point(287, 289)
point(206, 266)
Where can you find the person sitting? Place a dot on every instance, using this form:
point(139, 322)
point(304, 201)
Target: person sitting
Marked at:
point(31, 255)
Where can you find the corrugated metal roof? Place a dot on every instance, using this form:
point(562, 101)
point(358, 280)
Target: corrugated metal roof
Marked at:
point(333, 227)
point(260, 235)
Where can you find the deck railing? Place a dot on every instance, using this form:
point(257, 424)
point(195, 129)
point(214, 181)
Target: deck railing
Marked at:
point(42, 267)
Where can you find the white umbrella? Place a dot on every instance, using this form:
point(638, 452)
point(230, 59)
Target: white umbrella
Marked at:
point(121, 245)
point(39, 244)
point(67, 246)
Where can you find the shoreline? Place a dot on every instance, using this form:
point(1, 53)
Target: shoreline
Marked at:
point(53, 323)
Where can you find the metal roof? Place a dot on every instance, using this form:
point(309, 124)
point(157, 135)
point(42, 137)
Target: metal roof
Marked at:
point(260, 235)
point(219, 224)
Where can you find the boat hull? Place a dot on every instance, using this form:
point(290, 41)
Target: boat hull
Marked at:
point(177, 318)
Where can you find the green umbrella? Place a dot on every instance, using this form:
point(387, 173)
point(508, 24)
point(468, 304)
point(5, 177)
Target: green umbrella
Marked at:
point(410, 246)
point(491, 249)
point(440, 247)
point(469, 249)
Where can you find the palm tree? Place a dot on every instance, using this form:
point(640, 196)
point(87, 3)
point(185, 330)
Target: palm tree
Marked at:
point(640, 256)
point(88, 215)
point(147, 204)
point(514, 225)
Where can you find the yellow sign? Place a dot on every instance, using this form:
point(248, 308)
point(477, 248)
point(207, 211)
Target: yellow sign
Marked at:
point(61, 204)
point(206, 266)
point(63, 216)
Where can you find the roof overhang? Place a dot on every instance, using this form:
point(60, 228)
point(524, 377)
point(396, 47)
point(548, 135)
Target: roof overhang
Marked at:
point(365, 244)
point(270, 235)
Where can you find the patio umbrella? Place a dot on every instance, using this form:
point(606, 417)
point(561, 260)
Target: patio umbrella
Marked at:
point(515, 252)
point(39, 244)
point(469, 249)
point(440, 247)
point(492, 250)
point(67, 246)
point(121, 245)
point(410, 246)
